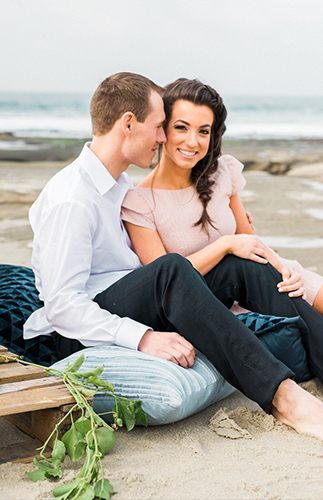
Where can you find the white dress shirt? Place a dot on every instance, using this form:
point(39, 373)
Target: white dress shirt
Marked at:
point(81, 248)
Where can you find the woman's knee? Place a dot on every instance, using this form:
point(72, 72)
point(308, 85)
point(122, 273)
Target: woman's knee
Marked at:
point(250, 268)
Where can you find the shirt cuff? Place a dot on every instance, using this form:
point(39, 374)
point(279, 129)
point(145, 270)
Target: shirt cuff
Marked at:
point(130, 333)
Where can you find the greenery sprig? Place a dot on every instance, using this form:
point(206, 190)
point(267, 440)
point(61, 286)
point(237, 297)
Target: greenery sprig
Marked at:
point(89, 434)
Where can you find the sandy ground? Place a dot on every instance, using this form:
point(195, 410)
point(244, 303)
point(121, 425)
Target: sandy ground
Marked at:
point(241, 453)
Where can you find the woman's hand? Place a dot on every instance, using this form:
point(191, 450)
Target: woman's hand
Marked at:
point(292, 283)
point(248, 246)
point(250, 220)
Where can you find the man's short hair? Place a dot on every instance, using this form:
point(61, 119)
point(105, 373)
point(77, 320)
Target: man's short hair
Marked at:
point(118, 94)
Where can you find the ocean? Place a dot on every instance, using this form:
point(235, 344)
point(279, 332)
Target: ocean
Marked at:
point(63, 115)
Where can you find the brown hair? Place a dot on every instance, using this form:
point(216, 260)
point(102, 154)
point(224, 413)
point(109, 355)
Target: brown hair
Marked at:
point(202, 95)
point(118, 94)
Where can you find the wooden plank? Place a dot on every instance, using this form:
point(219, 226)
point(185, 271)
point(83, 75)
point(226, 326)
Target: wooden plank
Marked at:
point(11, 354)
point(27, 384)
point(15, 372)
point(23, 452)
point(3, 349)
point(39, 424)
point(35, 399)
point(22, 421)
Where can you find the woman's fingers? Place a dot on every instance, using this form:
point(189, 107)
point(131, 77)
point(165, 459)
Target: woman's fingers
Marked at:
point(292, 284)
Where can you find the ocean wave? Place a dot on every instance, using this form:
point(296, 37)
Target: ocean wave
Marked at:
point(249, 117)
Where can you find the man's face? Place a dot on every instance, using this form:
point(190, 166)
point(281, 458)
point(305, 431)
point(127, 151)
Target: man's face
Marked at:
point(145, 137)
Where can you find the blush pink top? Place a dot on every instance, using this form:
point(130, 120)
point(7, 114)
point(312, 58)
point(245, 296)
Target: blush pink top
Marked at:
point(172, 213)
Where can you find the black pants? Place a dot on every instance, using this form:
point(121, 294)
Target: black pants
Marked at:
point(170, 295)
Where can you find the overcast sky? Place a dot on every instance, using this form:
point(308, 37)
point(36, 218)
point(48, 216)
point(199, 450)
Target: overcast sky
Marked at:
point(237, 46)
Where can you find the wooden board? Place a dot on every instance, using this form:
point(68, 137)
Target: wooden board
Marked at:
point(4, 351)
point(13, 372)
point(22, 452)
point(36, 398)
point(35, 403)
point(29, 384)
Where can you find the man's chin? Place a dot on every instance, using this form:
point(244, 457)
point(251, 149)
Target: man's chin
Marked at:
point(144, 166)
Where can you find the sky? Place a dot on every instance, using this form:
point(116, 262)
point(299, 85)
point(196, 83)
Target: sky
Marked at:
point(240, 47)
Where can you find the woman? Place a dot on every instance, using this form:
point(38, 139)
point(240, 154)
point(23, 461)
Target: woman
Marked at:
point(190, 204)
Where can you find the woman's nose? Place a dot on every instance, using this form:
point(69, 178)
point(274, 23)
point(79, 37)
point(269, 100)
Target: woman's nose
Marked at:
point(191, 140)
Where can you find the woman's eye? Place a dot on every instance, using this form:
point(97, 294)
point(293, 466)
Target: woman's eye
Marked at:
point(180, 127)
point(204, 132)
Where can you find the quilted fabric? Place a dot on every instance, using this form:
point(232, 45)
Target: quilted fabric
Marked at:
point(283, 338)
point(18, 299)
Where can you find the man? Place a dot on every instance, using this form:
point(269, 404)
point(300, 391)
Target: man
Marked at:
point(97, 293)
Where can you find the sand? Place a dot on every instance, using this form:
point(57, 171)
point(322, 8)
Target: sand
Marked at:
point(231, 450)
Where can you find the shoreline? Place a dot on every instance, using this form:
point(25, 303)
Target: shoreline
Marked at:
point(276, 156)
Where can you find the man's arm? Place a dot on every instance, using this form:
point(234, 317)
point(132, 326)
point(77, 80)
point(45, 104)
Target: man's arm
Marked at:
point(63, 256)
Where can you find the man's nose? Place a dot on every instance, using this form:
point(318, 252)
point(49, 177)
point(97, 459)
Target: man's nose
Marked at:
point(161, 138)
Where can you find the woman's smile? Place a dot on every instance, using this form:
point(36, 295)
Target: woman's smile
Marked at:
point(187, 154)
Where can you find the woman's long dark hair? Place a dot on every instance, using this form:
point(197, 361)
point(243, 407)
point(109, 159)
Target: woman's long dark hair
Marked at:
point(202, 95)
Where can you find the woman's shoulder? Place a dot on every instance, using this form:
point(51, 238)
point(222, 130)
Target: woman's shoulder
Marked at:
point(230, 172)
point(137, 197)
point(231, 163)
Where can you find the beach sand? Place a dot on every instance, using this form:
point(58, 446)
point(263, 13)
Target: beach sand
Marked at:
point(231, 450)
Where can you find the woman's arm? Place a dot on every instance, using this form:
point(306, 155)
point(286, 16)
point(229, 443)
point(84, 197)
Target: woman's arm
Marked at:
point(146, 242)
point(149, 246)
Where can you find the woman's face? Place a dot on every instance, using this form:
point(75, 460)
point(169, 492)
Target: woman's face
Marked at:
point(188, 134)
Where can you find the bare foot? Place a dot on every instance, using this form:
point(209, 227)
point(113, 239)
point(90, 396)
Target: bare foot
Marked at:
point(297, 408)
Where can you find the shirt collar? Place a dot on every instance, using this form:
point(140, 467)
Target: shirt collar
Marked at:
point(99, 175)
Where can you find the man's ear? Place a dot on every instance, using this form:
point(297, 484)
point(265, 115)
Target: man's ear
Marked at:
point(128, 120)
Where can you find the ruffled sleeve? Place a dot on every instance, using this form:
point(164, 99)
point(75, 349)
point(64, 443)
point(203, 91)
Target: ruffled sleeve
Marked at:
point(136, 209)
point(234, 168)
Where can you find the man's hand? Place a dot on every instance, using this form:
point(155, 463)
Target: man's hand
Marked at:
point(168, 345)
point(292, 283)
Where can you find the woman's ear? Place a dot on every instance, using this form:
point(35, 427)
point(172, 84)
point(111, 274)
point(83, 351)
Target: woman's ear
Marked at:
point(127, 123)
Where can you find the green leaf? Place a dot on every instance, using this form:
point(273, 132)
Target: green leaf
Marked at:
point(98, 420)
point(56, 472)
point(74, 443)
point(106, 439)
point(140, 414)
point(37, 475)
point(127, 413)
point(100, 383)
point(73, 367)
point(88, 459)
point(87, 392)
point(58, 453)
point(83, 425)
point(65, 488)
point(103, 489)
point(45, 466)
point(71, 377)
point(90, 373)
point(87, 493)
